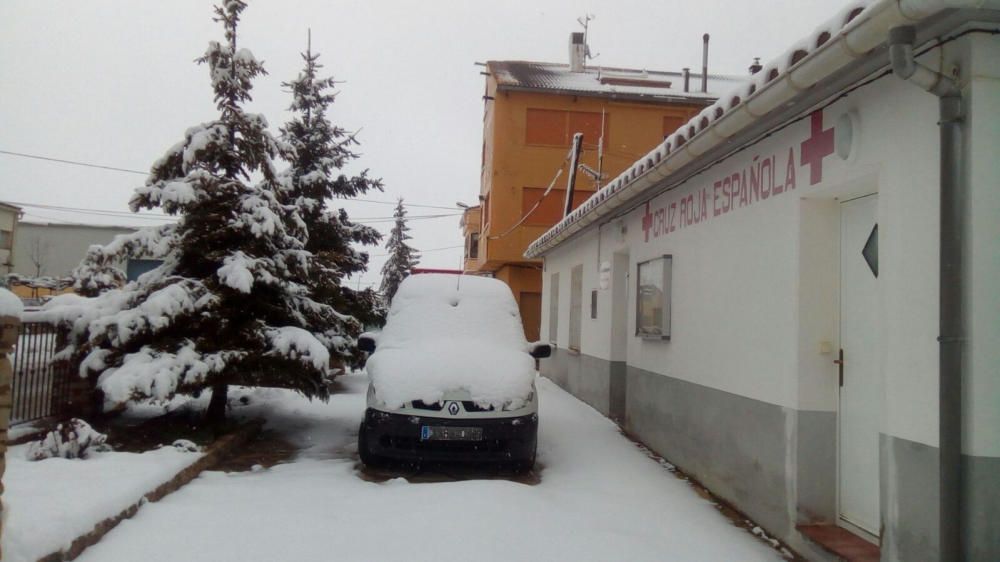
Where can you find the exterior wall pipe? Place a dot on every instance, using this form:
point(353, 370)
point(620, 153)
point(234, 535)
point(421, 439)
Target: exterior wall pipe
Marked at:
point(704, 64)
point(951, 339)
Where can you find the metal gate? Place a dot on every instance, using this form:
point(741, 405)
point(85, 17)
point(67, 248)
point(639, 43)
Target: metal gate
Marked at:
point(40, 388)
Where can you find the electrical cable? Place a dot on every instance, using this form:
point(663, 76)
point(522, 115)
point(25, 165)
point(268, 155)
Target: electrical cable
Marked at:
point(130, 171)
point(161, 216)
point(536, 205)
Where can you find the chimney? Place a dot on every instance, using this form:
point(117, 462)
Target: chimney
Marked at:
point(756, 66)
point(687, 79)
point(704, 64)
point(577, 52)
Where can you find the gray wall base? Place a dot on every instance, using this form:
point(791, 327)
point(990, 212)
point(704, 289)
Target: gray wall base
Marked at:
point(738, 447)
point(981, 507)
point(908, 489)
point(734, 445)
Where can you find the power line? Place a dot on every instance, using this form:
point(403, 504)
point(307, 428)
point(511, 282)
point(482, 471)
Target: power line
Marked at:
point(424, 251)
point(73, 162)
point(129, 171)
point(161, 216)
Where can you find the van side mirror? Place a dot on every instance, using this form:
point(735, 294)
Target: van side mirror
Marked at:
point(366, 342)
point(540, 350)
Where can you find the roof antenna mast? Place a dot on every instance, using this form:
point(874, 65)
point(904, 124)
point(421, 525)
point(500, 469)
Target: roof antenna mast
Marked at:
point(584, 21)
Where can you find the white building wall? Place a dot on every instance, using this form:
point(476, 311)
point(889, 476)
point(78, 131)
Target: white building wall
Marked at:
point(756, 311)
point(982, 389)
point(746, 281)
point(60, 246)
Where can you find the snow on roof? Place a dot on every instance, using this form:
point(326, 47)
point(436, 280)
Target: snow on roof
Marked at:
point(853, 32)
point(606, 82)
point(452, 332)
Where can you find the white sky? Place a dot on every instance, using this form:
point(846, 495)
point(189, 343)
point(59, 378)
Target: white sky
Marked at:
point(114, 83)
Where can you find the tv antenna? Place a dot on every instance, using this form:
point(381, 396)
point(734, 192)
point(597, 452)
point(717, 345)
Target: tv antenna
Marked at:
point(584, 22)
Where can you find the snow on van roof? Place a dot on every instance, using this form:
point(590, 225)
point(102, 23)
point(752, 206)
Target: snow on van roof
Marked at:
point(452, 332)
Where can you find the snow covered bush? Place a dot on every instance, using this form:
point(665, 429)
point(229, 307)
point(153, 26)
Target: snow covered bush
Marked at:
point(73, 439)
point(186, 446)
point(247, 292)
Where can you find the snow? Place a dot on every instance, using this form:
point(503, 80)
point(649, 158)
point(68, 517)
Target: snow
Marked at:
point(296, 343)
point(558, 76)
point(450, 332)
point(49, 503)
point(158, 374)
point(235, 272)
point(157, 311)
point(10, 305)
point(600, 497)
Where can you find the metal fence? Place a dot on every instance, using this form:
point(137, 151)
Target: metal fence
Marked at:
point(40, 388)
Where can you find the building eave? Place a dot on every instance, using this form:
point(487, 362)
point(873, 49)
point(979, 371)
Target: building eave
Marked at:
point(700, 99)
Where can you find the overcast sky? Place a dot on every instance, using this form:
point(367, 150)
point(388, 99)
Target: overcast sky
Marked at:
point(114, 83)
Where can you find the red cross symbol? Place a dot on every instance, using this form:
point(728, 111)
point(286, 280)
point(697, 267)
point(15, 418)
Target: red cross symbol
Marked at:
point(818, 146)
point(647, 221)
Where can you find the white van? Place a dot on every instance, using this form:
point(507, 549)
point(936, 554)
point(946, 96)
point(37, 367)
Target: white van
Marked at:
point(452, 376)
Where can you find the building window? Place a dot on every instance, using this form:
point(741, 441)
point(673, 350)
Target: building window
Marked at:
point(554, 308)
point(473, 251)
point(575, 307)
point(6, 239)
point(555, 127)
point(653, 298)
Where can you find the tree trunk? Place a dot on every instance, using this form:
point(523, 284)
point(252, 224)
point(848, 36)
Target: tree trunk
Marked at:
point(216, 413)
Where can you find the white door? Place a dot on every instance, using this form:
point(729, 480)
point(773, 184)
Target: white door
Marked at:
point(861, 389)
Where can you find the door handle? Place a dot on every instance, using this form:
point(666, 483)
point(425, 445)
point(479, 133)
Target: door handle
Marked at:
point(840, 366)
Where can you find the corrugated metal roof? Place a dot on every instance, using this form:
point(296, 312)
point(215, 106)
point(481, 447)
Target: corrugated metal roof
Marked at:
point(607, 82)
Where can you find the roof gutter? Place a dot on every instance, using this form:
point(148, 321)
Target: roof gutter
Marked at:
point(847, 55)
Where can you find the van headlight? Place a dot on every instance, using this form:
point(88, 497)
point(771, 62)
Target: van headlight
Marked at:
point(517, 404)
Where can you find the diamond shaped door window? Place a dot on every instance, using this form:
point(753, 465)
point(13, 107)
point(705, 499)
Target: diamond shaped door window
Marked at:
point(870, 251)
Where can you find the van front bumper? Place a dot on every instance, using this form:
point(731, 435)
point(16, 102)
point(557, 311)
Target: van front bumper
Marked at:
point(398, 437)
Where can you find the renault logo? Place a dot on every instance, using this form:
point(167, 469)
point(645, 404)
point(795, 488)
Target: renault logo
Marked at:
point(453, 408)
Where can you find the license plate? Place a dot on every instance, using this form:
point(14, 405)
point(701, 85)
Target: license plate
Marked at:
point(450, 433)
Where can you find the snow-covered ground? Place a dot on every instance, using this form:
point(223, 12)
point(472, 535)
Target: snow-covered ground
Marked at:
point(49, 503)
point(599, 498)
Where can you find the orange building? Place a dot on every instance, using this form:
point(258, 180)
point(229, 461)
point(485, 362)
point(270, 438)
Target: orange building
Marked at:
point(532, 112)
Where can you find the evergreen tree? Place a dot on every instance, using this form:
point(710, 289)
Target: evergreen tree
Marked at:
point(96, 273)
point(318, 150)
point(402, 257)
point(230, 303)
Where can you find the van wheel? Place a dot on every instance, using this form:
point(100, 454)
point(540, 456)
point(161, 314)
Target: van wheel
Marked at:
point(367, 457)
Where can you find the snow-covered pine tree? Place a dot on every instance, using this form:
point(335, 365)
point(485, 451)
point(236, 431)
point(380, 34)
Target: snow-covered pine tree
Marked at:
point(97, 273)
point(318, 151)
point(402, 257)
point(230, 303)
